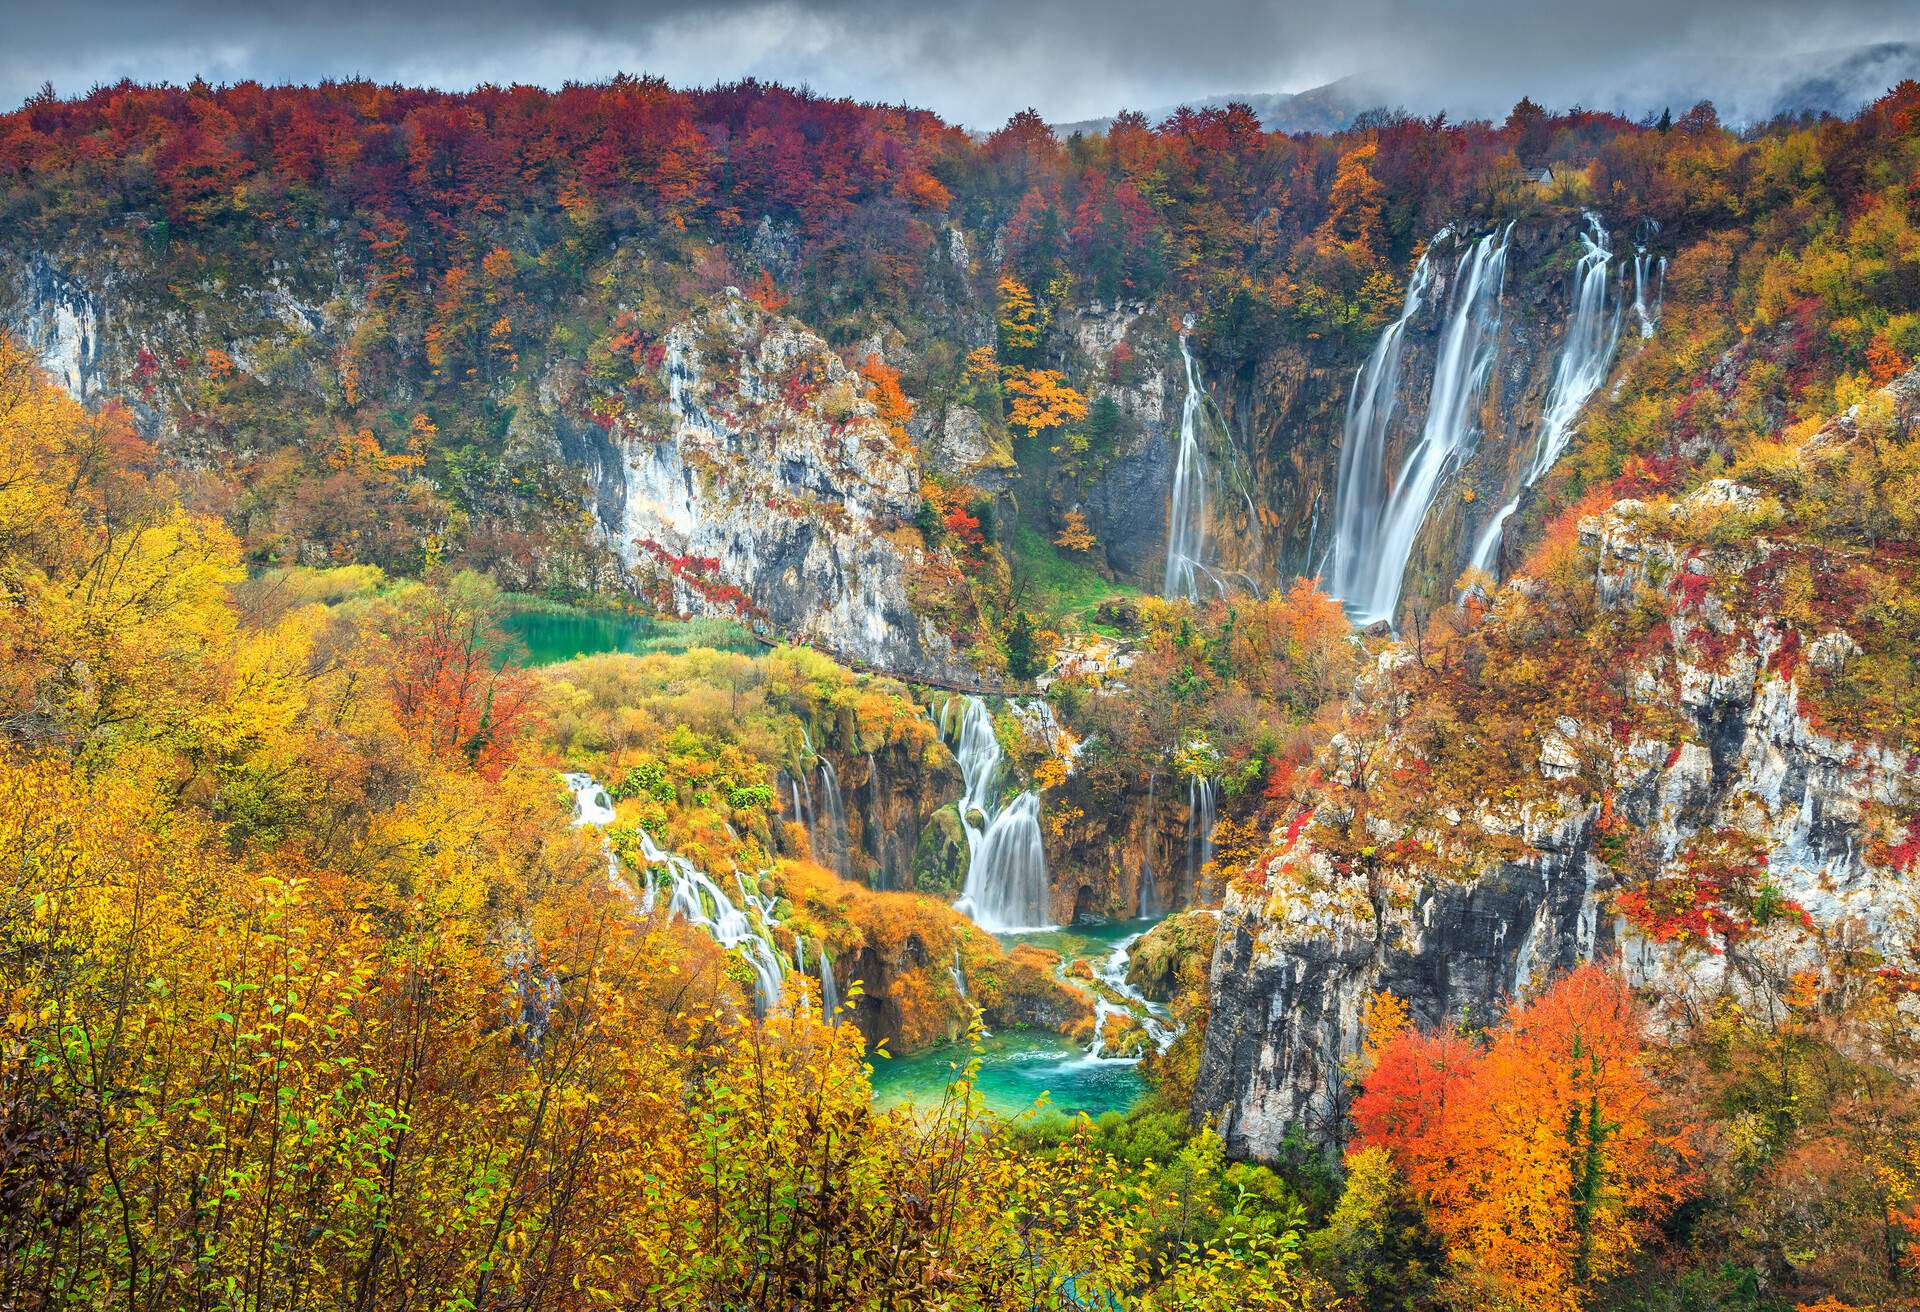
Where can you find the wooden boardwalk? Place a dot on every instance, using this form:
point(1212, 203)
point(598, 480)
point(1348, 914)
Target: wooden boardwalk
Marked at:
point(974, 687)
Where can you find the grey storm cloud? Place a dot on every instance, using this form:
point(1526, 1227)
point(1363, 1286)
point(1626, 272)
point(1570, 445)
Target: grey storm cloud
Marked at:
point(977, 61)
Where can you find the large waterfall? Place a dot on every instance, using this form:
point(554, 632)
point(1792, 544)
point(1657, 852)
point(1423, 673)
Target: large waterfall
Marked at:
point(1586, 353)
point(1373, 563)
point(746, 925)
point(1361, 497)
point(1006, 885)
point(1188, 562)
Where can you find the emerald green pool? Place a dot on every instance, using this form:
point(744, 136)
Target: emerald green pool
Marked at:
point(1018, 1066)
point(552, 636)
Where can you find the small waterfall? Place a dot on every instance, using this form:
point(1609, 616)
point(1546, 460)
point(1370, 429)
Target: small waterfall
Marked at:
point(1647, 316)
point(1112, 972)
point(592, 806)
point(1201, 798)
point(836, 817)
point(1149, 895)
point(829, 989)
point(1586, 353)
point(1188, 558)
point(959, 976)
point(827, 827)
point(747, 925)
point(1361, 493)
point(1006, 885)
point(1468, 343)
point(694, 897)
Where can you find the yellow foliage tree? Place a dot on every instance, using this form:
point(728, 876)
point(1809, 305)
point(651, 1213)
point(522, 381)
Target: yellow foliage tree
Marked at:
point(1074, 534)
point(1039, 400)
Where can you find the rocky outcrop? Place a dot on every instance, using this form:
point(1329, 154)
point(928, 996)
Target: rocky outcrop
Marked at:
point(1297, 958)
point(1173, 957)
point(1122, 844)
point(940, 858)
point(1125, 501)
point(766, 488)
point(57, 319)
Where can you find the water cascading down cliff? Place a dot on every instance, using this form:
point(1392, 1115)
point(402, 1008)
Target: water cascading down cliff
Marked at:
point(746, 926)
point(1586, 353)
point(1006, 885)
point(1380, 515)
point(1188, 562)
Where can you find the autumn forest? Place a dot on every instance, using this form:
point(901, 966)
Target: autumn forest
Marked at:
point(618, 696)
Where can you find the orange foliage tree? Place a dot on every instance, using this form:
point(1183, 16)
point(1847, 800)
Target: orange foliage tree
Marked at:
point(889, 402)
point(449, 682)
point(1536, 1153)
point(1040, 400)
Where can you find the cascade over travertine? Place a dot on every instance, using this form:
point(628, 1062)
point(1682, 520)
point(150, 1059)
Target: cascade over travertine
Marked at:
point(1151, 1017)
point(1006, 884)
point(694, 897)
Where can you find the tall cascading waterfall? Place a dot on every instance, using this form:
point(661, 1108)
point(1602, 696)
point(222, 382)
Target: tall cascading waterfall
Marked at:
point(829, 989)
point(882, 877)
point(1468, 343)
point(827, 828)
point(1188, 563)
point(1006, 884)
point(1149, 895)
point(1361, 496)
point(1202, 794)
point(694, 897)
point(836, 820)
point(1586, 353)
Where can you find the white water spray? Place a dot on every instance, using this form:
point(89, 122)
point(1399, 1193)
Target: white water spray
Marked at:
point(1586, 353)
point(1452, 428)
point(1361, 496)
point(1006, 886)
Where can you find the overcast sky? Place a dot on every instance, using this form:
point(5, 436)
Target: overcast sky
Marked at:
point(975, 61)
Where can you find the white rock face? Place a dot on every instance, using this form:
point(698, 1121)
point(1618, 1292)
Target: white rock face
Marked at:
point(772, 491)
point(1294, 967)
point(59, 322)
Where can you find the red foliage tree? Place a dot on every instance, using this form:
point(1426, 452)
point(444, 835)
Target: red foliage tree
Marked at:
point(1536, 1152)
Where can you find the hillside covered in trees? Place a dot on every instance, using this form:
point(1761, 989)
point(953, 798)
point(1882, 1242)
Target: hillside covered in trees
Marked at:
point(1440, 598)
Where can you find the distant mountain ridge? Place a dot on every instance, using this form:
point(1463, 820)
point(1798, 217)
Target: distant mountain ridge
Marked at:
point(1745, 89)
point(1329, 108)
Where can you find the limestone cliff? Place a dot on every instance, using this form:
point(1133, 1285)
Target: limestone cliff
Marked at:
point(1298, 954)
point(764, 488)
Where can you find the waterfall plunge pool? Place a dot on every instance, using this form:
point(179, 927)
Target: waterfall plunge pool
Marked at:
point(1017, 1066)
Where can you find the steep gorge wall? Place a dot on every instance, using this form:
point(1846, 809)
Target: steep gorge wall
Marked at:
point(746, 494)
point(1296, 960)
